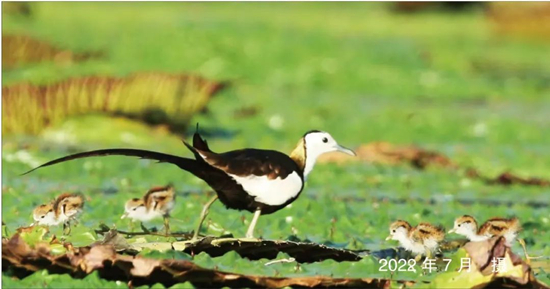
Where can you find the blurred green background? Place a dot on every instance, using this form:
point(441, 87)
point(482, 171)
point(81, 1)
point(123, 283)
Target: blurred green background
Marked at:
point(469, 83)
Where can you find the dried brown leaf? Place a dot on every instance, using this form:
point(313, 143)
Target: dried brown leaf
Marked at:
point(516, 274)
point(389, 154)
point(139, 271)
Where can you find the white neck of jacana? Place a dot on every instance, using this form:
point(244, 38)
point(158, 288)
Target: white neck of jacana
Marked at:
point(311, 158)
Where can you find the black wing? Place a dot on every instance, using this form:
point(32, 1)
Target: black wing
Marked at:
point(184, 163)
point(246, 162)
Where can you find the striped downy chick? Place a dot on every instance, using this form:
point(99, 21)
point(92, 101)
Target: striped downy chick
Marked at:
point(401, 231)
point(509, 228)
point(158, 202)
point(68, 207)
point(467, 226)
point(428, 235)
point(44, 215)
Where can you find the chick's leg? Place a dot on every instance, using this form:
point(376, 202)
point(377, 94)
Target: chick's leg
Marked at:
point(527, 257)
point(67, 228)
point(132, 226)
point(166, 225)
point(145, 230)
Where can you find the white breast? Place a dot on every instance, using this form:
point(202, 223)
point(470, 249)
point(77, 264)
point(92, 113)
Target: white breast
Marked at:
point(143, 215)
point(412, 246)
point(510, 237)
point(431, 244)
point(271, 192)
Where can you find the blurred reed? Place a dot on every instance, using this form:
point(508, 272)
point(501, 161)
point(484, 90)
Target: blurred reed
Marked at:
point(28, 108)
point(525, 19)
point(18, 50)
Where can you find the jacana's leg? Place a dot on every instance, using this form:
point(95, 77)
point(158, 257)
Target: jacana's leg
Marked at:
point(204, 213)
point(250, 232)
point(166, 225)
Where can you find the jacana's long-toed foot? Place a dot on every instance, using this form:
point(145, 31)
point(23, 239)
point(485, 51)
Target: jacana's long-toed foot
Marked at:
point(219, 242)
point(249, 233)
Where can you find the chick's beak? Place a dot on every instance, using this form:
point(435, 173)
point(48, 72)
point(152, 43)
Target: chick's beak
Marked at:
point(451, 231)
point(388, 238)
point(345, 150)
point(124, 216)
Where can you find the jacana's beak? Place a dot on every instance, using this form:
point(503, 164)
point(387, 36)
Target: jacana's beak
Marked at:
point(32, 224)
point(124, 216)
point(451, 231)
point(388, 238)
point(345, 150)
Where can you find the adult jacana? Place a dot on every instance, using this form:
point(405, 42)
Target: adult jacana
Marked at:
point(256, 180)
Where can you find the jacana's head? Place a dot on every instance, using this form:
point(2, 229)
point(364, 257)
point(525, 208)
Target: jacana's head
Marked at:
point(316, 143)
point(44, 215)
point(399, 230)
point(465, 225)
point(134, 208)
point(320, 142)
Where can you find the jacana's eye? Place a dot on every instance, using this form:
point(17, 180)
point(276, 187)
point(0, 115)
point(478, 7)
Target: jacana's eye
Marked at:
point(134, 209)
point(393, 231)
point(459, 225)
point(325, 140)
point(42, 217)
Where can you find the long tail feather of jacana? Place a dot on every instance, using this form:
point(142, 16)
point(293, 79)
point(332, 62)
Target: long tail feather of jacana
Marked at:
point(255, 180)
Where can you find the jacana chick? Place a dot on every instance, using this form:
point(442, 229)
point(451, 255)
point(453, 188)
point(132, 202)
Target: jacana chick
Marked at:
point(158, 202)
point(421, 240)
point(508, 228)
point(68, 207)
